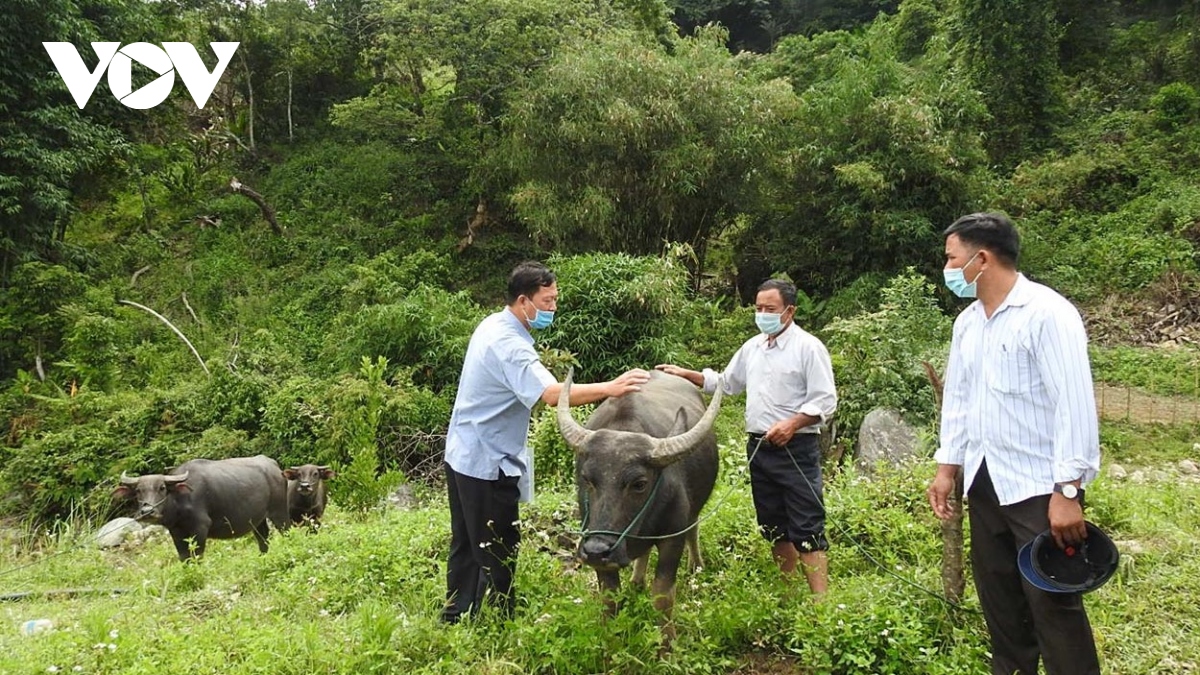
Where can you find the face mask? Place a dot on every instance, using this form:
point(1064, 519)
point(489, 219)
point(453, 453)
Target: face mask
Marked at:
point(541, 319)
point(769, 324)
point(957, 283)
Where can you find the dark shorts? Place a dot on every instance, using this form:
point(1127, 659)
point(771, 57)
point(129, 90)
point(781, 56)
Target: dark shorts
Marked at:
point(788, 503)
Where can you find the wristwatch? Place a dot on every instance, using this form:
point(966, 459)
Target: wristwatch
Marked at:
point(1067, 490)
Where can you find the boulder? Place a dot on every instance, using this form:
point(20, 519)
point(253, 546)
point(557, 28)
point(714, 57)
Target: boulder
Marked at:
point(885, 438)
point(116, 531)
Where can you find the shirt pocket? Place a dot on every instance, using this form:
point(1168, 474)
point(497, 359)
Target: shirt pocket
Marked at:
point(1010, 370)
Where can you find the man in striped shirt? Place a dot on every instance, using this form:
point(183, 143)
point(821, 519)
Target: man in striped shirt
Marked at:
point(1019, 419)
point(788, 379)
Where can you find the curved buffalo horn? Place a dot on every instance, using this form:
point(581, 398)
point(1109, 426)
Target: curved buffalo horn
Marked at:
point(131, 481)
point(172, 480)
point(573, 432)
point(667, 451)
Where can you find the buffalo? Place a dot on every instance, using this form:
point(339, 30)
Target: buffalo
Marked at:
point(306, 492)
point(645, 465)
point(218, 499)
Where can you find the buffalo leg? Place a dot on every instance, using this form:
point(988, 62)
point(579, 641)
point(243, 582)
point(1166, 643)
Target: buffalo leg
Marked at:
point(183, 546)
point(261, 533)
point(663, 588)
point(610, 585)
point(639, 570)
point(693, 544)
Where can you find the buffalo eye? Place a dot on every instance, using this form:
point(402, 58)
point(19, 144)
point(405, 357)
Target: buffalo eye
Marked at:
point(639, 485)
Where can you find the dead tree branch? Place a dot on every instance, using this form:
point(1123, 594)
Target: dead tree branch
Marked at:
point(268, 212)
point(134, 278)
point(170, 325)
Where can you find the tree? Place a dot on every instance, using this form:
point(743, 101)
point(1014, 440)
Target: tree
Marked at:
point(622, 146)
point(1010, 50)
point(47, 144)
point(885, 155)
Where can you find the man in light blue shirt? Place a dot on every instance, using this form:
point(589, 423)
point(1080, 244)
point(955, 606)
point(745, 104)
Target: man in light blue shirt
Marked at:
point(489, 468)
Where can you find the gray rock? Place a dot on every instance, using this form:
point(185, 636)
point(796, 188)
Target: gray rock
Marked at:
point(116, 531)
point(151, 532)
point(402, 497)
point(1188, 467)
point(1117, 472)
point(1138, 476)
point(885, 438)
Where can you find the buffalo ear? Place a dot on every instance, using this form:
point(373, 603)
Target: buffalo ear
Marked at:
point(181, 487)
point(681, 423)
point(327, 473)
point(123, 492)
point(291, 473)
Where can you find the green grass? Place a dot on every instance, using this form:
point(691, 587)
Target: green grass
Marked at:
point(1161, 370)
point(363, 595)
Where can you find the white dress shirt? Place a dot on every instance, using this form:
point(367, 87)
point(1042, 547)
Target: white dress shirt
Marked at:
point(1018, 392)
point(782, 377)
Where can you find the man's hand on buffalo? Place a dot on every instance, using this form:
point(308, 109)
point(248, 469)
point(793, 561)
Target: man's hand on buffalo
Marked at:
point(628, 382)
point(693, 376)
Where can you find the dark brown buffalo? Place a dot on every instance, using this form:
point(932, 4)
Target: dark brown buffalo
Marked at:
point(306, 492)
point(206, 499)
point(645, 465)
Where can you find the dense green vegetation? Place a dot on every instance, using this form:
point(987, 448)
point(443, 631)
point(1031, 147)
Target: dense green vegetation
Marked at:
point(664, 157)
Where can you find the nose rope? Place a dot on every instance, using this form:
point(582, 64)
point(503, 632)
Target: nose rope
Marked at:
point(584, 532)
point(636, 519)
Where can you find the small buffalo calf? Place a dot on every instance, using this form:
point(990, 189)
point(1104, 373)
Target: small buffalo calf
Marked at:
point(306, 492)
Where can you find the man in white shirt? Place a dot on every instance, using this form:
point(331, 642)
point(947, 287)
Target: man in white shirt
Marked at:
point(1019, 419)
point(489, 468)
point(788, 379)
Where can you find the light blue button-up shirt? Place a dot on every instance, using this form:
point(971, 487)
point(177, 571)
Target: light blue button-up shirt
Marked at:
point(502, 379)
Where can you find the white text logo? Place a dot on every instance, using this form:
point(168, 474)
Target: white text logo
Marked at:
point(118, 61)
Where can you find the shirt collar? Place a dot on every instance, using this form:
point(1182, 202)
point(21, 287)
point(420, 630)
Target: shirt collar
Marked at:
point(1018, 296)
point(783, 338)
point(515, 322)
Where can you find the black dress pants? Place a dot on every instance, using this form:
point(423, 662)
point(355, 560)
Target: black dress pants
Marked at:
point(1025, 623)
point(484, 538)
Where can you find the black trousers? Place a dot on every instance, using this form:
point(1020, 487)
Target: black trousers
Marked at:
point(1025, 623)
point(484, 538)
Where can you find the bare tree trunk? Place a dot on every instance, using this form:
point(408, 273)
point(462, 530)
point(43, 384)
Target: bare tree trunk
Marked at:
point(953, 576)
point(289, 107)
point(953, 571)
point(267, 211)
point(250, 94)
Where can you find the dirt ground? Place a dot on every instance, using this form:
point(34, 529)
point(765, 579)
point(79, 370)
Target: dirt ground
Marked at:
point(1124, 403)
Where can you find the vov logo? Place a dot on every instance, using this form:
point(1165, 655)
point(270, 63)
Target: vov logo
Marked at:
point(172, 57)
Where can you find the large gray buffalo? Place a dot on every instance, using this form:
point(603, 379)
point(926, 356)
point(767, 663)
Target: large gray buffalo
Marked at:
point(645, 464)
point(217, 499)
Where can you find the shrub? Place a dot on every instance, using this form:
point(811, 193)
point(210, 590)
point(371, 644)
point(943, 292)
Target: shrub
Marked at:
point(361, 483)
point(877, 355)
point(613, 311)
point(1175, 106)
point(427, 331)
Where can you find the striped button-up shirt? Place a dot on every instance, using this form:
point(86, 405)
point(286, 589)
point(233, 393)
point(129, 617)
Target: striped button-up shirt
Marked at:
point(782, 377)
point(1018, 393)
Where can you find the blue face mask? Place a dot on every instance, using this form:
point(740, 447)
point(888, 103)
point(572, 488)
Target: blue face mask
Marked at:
point(769, 324)
point(957, 283)
point(541, 319)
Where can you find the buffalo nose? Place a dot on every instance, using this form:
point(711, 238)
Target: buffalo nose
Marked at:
point(595, 548)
